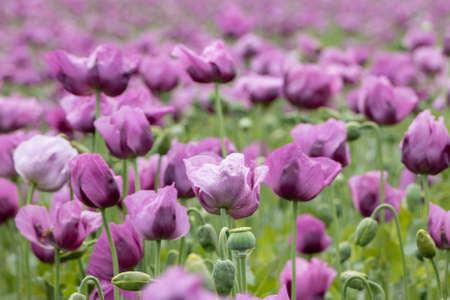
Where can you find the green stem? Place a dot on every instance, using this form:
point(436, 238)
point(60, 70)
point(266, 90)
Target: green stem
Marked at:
point(70, 187)
point(223, 218)
point(242, 271)
point(294, 251)
point(220, 119)
point(96, 282)
point(426, 190)
point(181, 251)
point(97, 115)
point(57, 269)
point(115, 260)
point(447, 262)
point(137, 179)
point(379, 288)
point(28, 201)
point(336, 232)
point(158, 258)
point(32, 187)
point(157, 175)
point(400, 242)
point(222, 245)
point(124, 178)
point(363, 280)
point(194, 211)
point(438, 279)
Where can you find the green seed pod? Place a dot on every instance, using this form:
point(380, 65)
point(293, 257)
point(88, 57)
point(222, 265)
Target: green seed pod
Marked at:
point(425, 244)
point(241, 239)
point(345, 251)
point(223, 275)
point(353, 131)
point(324, 213)
point(131, 280)
point(172, 257)
point(365, 232)
point(418, 255)
point(77, 296)
point(413, 196)
point(357, 282)
point(207, 237)
point(195, 264)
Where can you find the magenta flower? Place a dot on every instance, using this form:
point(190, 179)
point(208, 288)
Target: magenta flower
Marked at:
point(8, 144)
point(248, 46)
point(309, 46)
point(426, 145)
point(66, 226)
point(341, 63)
point(310, 86)
point(105, 69)
point(255, 150)
point(429, 60)
point(108, 292)
point(57, 120)
point(44, 254)
point(18, 112)
point(384, 104)
point(327, 139)
point(446, 45)
point(439, 226)
point(232, 21)
point(226, 184)
point(416, 38)
point(9, 200)
point(215, 64)
point(398, 67)
point(158, 216)
point(313, 279)
point(160, 74)
point(44, 161)
point(365, 191)
point(311, 235)
point(259, 88)
point(297, 177)
point(127, 133)
point(407, 177)
point(129, 247)
point(93, 181)
point(148, 171)
point(187, 287)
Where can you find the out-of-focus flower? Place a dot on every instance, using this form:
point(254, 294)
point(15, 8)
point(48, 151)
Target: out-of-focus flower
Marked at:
point(446, 44)
point(233, 22)
point(258, 88)
point(416, 38)
point(18, 112)
point(407, 177)
point(295, 176)
point(269, 61)
point(158, 216)
point(9, 200)
point(148, 171)
point(398, 67)
point(93, 181)
point(365, 191)
point(108, 292)
point(439, 226)
point(105, 69)
point(309, 46)
point(429, 60)
point(127, 133)
point(43, 160)
point(226, 184)
point(311, 235)
point(8, 144)
point(310, 86)
point(341, 63)
point(328, 139)
point(215, 64)
point(426, 145)
point(255, 150)
point(248, 46)
point(160, 74)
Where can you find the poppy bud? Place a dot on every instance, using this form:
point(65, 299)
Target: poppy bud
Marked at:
point(357, 282)
point(207, 237)
point(425, 244)
point(195, 264)
point(365, 232)
point(77, 296)
point(172, 257)
point(241, 239)
point(324, 213)
point(413, 196)
point(131, 280)
point(223, 275)
point(353, 131)
point(345, 251)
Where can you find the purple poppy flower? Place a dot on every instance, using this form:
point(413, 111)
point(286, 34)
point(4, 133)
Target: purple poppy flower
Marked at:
point(248, 46)
point(226, 184)
point(365, 191)
point(426, 145)
point(148, 171)
point(108, 292)
point(8, 144)
point(309, 46)
point(297, 177)
point(341, 63)
point(105, 69)
point(18, 112)
point(327, 139)
point(44, 161)
point(44, 254)
point(259, 88)
point(9, 200)
point(429, 60)
point(416, 38)
point(407, 177)
point(215, 64)
point(158, 216)
point(255, 150)
point(446, 44)
point(269, 61)
point(57, 120)
point(233, 22)
point(311, 235)
point(439, 226)
point(384, 104)
point(160, 74)
point(129, 247)
point(93, 181)
point(127, 132)
point(310, 86)
point(188, 287)
point(399, 68)
point(313, 279)
point(66, 226)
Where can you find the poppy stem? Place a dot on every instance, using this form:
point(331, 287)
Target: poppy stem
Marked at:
point(115, 260)
point(57, 269)
point(363, 280)
point(294, 250)
point(196, 212)
point(96, 282)
point(158, 258)
point(124, 178)
point(218, 106)
point(137, 179)
point(30, 193)
point(97, 115)
point(447, 262)
point(242, 270)
point(426, 191)
point(438, 279)
point(70, 187)
point(337, 232)
point(26, 249)
point(379, 288)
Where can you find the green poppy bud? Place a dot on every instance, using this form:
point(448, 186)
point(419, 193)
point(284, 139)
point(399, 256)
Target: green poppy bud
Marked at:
point(353, 131)
point(77, 296)
point(365, 232)
point(223, 275)
point(425, 244)
point(172, 257)
point(131, 280)
point(345, 251)
point(164, 145)
point(241, 239)
point(66, 256)
point(207, 237)
point(324, 213)
point(195, 264)
point(413, 196)
point(357, 282)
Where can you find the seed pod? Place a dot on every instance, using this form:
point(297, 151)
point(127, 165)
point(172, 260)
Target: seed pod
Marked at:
point(223, 275)
point(207, 237)
point(345, 251)
point(195, 264)
point(77, 296)
point(357, 282)
point(172, 257)
point(131, 280)
point(241, 239)
point(365, 232)
point(353, 131)
point(413, 196)
point(425, 244)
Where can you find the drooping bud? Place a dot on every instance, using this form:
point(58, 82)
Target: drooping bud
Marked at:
point(324, 213)
point(353, 131)
point(77, 296)
point(357, 282)
point(241, 239)
point(425, 244)
point(207, 237)
point(413, 196)
point(223, 275)
point(345, 251)
point(172, 257)
point(195, 264)
point(365, 232)
point(131, 280)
